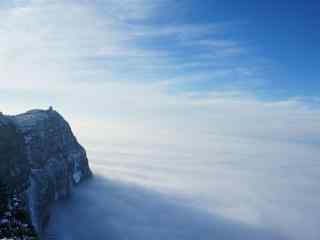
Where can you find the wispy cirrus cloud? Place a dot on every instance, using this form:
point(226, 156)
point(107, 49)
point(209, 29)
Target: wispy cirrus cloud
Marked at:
point(111, 52)
point(112, 55)
point(98, 40)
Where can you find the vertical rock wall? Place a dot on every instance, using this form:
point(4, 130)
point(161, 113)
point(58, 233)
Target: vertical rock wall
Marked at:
point(39, 150)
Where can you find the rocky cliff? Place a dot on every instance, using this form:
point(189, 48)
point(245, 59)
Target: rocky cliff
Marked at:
point(40, 160)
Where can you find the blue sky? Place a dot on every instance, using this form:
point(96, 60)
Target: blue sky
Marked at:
point(152, 62)
point(280, 36)
point(286, 33)
point(269, 47)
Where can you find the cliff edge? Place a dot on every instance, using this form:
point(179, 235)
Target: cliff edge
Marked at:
point(40, 162)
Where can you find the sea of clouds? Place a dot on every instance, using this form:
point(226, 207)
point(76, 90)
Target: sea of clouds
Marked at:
point(223, 188)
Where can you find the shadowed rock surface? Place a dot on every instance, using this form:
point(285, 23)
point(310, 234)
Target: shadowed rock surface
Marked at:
point(39, 154)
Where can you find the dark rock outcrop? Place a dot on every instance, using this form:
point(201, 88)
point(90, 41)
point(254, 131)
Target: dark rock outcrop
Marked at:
point(14, 166)
point(39, 152)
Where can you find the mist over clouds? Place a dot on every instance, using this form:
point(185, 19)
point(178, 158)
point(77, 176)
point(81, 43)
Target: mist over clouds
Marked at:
point(183, 141)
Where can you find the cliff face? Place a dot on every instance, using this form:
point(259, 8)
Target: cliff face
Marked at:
point(12, 156)
point(39, 151)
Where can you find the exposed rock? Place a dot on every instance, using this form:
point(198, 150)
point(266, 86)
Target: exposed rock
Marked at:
point(39, 152)
point(14, 166)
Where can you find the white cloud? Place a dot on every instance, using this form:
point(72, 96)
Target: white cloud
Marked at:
point(93, 51)
point(48, 43)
